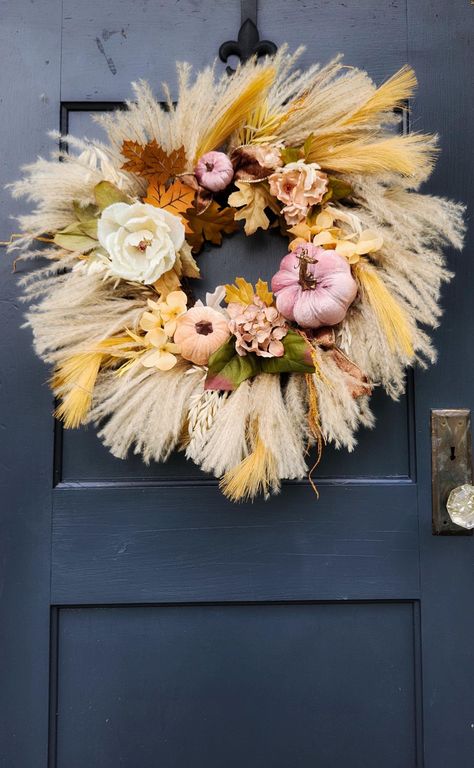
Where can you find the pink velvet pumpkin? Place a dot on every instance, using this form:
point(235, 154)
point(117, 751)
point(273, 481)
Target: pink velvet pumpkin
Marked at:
point(214, 171)
point(314, 287)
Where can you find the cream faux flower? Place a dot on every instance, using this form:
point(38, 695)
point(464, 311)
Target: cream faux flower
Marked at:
point(351, 245)
point(352, 242)
point(162, 354)
point(298, 185)
point(171, 308)
point(141, 240)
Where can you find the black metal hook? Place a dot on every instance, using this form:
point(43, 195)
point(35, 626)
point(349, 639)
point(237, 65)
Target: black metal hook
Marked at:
point(248, 44)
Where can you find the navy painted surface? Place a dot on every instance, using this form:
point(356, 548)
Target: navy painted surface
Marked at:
point(256, 685)
point(154, 621)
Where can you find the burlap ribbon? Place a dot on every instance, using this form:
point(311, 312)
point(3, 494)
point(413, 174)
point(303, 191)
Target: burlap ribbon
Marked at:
point(357, 381)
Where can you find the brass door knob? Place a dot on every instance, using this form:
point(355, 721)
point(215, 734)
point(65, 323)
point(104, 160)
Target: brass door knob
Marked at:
point(460, 506)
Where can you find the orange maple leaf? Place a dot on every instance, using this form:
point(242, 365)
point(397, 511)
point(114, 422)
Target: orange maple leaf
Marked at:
point(151, 160)
point(177, 198)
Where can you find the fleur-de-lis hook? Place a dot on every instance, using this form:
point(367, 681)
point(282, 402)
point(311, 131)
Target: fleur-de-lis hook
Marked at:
point(248, 44)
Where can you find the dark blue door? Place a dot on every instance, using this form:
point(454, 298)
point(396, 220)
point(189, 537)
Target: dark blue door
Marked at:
point(145, 620)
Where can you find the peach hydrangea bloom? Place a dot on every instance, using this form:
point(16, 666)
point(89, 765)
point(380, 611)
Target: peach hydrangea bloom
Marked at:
point(298, 185)
point(257, 328)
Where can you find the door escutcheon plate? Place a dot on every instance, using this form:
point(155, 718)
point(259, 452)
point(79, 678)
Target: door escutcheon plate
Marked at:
point(451, 464)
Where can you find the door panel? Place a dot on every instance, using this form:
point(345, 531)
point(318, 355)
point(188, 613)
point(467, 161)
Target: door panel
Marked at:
point(179, 543)
point(231, 685)
point(176, 628)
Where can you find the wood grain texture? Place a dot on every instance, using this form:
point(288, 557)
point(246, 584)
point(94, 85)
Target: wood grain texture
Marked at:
point(107, 45)
point(29, 107)
point(147, 545)
point(237, 685)
point(440, 48)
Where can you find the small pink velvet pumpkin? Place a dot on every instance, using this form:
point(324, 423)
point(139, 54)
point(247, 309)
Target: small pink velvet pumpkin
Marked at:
point(214, 171)
point(314, 287)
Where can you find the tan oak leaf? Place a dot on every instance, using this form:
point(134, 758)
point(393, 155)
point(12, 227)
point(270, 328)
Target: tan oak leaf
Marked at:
point(210, 225)
point(252, 200)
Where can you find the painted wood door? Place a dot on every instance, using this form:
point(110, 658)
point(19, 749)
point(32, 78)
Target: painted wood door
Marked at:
point(145, 620)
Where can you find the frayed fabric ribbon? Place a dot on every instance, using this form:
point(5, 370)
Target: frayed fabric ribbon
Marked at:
point(358, 384)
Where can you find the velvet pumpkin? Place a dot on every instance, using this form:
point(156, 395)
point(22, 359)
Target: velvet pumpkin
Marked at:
point(200, 332)
point(214, 171)
point(314, 287)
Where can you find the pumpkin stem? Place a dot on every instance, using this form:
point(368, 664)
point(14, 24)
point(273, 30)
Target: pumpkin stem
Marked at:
point(307, 281)
point(204, 327)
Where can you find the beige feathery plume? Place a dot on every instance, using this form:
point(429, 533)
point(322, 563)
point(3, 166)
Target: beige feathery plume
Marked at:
point(392, 318)
point(251, 95)
point(256, 474)
point(392, 94)
point(74, 382)
point(412, 156)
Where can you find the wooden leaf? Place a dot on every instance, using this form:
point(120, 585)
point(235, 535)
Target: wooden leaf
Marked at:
point(151, 160)
point(240, 293)
point(210, 225)
point(133, 151)
point(167, 283)
point(176, 198)
point(252, 200)
point(261, 289)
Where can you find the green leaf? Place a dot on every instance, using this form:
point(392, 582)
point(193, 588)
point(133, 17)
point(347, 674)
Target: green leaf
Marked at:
point(337, 189)
point(227, 369)
point(89, 228)
point(340, 188)
point(297, 357)
point(84, 213)
point(307, 145)
point(291, 154)
point(74, 241)
point(107, 194)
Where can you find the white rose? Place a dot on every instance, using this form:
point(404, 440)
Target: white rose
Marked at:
point(140, 239)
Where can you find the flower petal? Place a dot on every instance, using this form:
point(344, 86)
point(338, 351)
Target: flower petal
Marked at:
point(166, 361)
point(149, 321)
point(157, 337)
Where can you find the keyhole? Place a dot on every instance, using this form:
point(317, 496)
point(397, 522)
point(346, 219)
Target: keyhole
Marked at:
point(453, 453)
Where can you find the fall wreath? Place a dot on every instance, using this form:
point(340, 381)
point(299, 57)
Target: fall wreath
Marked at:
point(247, 380)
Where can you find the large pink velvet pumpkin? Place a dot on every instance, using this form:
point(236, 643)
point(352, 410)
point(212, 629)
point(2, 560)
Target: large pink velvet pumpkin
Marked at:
point(314, 287)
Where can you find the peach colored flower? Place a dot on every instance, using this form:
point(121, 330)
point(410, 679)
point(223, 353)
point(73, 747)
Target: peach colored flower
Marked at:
point(257, 328)
point(298, 185)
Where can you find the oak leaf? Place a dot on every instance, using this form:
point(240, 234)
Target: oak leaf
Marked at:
point(241, 292)
point(176, 198)
point(210, 225)
point(261, 289)
point(151, 160)
point(252, 200)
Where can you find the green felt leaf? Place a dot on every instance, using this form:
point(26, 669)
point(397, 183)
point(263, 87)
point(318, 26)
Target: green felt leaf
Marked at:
point(307, 145)
point(227, 369)
point(297, 357)
point(339, 188)
point(291, 154)
point(107, 194)
point(89, 228)
point(84, 213)
point(74, 241)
